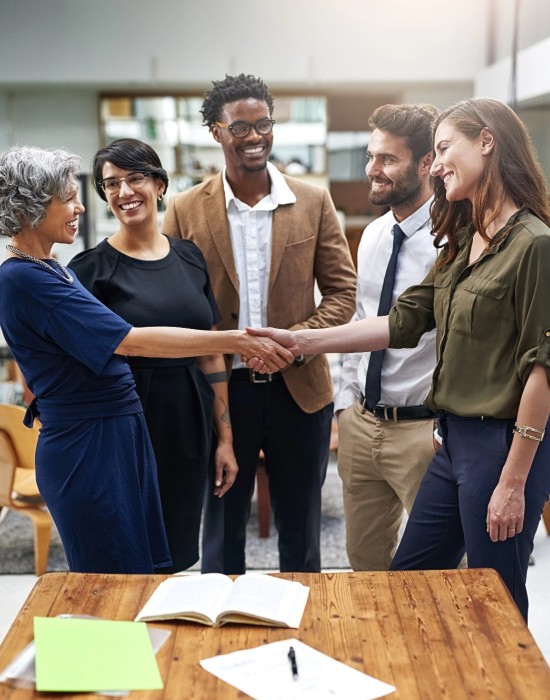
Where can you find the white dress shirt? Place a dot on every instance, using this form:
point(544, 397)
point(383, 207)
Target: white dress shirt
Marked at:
point(251, 230)
point(406, 373)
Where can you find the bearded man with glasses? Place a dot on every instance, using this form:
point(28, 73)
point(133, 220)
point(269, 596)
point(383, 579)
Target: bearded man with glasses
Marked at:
point(267, 239)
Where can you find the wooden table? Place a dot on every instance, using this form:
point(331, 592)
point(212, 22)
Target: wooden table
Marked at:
point(431, 634)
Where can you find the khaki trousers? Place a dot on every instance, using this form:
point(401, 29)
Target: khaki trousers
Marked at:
point(381, 464)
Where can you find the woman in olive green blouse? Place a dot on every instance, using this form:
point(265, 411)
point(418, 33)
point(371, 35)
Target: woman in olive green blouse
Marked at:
point(489, 298)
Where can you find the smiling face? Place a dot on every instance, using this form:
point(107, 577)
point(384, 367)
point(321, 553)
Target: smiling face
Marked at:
point(460, 161)
point(133, 206)
point(60, 225)
point(395, 178)
point(249, 154)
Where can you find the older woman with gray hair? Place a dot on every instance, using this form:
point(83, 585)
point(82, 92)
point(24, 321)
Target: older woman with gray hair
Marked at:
point(94, 461)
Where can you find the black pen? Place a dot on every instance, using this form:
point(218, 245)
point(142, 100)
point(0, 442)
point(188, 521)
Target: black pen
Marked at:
point(293, 663)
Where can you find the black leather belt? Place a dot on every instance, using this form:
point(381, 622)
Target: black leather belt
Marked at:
point(244, 374)
point(397, 413)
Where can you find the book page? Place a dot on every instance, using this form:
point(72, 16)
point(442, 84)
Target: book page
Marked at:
point(268, 598)
point(201, 596)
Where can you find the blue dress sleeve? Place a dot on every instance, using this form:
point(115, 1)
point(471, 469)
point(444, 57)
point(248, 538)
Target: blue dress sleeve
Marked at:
point(86, 329)
point(51, 313)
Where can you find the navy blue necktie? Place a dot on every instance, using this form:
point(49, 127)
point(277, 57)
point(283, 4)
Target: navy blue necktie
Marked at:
point(373, 382)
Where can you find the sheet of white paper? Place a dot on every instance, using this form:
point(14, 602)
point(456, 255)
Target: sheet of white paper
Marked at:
point(265, 673)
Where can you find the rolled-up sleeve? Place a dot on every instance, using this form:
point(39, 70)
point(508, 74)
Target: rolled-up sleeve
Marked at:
point(543, 352)
point(532, 307)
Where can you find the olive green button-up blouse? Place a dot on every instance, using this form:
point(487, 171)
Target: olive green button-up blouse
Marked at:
point(492, 320)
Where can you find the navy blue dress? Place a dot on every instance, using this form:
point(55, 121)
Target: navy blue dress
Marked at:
point(177, 399)
point(95, 465)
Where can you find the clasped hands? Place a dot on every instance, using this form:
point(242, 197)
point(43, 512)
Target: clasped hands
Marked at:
point(269, 349)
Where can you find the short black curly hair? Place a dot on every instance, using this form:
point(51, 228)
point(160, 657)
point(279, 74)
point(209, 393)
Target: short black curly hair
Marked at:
point(233, 88)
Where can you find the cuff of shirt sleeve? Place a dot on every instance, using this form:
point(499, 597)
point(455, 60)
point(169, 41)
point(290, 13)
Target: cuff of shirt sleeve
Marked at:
point(343, 400)
point(543, 351)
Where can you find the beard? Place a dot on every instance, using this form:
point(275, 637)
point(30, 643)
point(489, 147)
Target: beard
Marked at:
point(406, 189)
point(254, 168)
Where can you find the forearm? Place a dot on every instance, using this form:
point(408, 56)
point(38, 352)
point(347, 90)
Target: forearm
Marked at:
point(506, 509)
point(359, 336)
point(186, 342)
point(163, 341)
point(225, 463)
point(533, 411)
point(214, 370)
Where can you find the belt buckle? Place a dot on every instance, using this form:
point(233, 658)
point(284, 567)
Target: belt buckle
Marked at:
point(257, 378)
point(389, 413)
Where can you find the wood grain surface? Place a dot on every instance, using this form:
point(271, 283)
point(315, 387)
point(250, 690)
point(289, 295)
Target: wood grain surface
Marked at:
point(431, 634)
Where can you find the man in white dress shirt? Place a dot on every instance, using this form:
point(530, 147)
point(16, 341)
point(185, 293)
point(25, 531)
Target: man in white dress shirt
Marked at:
point(386, 442)
point(268, 239)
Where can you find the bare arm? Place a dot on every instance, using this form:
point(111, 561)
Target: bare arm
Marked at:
point(359, 336)
point(165, 341)
point(213, 367)
point(506, 508)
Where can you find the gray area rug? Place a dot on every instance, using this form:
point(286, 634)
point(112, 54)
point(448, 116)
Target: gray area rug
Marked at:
point(17, 543)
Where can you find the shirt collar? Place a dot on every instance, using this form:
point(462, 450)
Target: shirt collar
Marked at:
point(280, 191)
point(416, 220)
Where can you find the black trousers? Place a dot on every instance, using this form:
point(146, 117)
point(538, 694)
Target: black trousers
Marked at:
point(296, 448)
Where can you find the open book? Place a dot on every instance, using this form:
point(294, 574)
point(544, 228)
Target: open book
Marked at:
point(215, 599)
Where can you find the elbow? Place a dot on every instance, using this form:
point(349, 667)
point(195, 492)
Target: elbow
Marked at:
point(127, 346)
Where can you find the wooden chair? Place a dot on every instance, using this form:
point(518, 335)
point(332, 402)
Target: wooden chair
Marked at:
point(18, 489)
point(262, 485)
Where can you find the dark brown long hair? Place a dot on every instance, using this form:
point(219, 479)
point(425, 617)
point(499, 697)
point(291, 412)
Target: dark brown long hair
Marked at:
point(512, 170)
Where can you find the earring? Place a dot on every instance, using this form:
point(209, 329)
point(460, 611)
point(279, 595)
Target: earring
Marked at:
point(160, 197)
point(109, 209)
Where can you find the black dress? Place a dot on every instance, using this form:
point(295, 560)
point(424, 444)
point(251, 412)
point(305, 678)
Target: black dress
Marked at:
point(177, 399)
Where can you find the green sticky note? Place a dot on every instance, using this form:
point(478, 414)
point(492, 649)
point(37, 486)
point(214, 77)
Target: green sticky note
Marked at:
point(92, 655)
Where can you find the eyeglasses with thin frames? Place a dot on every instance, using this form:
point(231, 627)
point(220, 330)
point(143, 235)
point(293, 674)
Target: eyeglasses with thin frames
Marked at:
point(111, 185)
point(242, 129)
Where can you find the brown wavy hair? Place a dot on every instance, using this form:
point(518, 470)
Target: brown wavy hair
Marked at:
point(414, 122)
point(512, 170)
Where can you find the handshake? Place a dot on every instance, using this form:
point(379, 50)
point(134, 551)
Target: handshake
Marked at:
point(271, 349)
point(267, 350)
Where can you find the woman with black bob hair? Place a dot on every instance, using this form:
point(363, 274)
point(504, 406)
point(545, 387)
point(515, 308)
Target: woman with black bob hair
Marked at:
point(95, 466)
point(150, 279)
point(487, 296)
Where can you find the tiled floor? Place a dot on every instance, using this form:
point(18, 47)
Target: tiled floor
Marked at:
point(14, 590)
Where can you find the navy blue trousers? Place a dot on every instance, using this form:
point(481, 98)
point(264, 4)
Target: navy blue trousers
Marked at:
point(296, 447)
point(449, 515)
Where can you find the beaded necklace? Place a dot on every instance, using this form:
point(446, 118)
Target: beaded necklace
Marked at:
point(62, 272)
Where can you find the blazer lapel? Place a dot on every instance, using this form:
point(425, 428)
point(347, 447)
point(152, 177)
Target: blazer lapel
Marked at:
point(215, 215)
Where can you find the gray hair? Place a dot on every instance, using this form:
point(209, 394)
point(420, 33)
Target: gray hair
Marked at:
point(29, 179)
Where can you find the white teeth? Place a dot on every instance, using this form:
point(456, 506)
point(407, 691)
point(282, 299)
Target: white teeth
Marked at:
point(253, 151)
point(130, 205)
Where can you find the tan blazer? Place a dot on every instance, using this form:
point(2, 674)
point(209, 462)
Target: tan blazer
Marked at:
point(307, 246)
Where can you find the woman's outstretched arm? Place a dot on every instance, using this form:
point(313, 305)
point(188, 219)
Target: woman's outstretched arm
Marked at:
point(358, 336)
point(163, 341)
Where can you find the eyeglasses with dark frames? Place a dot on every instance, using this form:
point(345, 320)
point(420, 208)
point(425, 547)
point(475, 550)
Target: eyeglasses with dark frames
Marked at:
point(111, 185)
point(242, 129)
